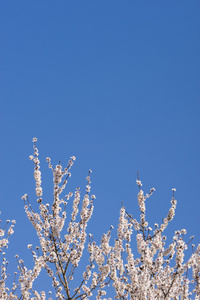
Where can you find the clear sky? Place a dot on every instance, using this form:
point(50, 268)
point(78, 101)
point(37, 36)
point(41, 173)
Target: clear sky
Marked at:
point(115, 83)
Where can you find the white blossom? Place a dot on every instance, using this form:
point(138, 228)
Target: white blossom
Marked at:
point(155, 271)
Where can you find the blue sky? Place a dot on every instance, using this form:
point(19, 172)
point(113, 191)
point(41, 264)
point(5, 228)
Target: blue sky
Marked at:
point(115, 83)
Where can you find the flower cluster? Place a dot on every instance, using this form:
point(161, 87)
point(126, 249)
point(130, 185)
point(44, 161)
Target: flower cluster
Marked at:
point(5, 233)
point(158, 272)
point(62, 244)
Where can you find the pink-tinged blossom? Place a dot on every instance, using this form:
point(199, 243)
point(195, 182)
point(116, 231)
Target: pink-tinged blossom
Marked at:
point(154, 271)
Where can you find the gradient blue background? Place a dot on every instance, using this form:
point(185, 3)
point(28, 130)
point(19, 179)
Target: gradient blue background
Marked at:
point(115, 83)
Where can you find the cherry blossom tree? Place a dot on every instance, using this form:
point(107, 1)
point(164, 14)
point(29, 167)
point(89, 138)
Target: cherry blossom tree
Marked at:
point(154, 271)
